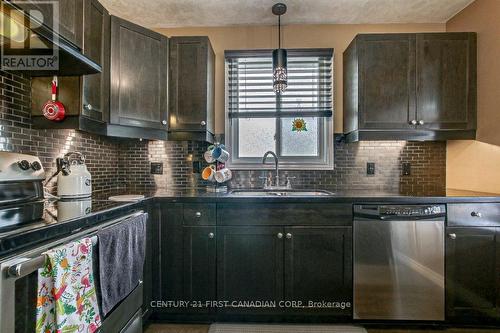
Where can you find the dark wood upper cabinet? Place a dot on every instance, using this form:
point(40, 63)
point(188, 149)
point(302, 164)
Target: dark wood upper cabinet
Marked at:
point(191, 88)
point(410, 87)
point(95, 97)
point(472, 274)
point(139, 76)
point(386, 69)
point(63, 16)
point(446, 81)
point(249, 266)
point(318, 267)
point(86, 98)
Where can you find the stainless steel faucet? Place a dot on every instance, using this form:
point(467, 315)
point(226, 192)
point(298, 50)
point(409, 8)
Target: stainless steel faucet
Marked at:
point(276, 163)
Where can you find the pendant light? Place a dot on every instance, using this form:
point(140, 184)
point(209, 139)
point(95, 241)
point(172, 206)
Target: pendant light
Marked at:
point(280, 75)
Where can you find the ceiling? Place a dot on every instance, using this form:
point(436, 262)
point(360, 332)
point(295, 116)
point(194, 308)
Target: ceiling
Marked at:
point(192, 13)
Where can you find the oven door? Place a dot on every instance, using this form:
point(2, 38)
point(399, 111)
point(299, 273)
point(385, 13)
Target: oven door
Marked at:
point(19, 287)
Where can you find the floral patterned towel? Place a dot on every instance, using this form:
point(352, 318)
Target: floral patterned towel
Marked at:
point(66, 300)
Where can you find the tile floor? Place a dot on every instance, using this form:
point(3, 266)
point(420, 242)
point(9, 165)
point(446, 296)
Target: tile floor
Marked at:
point(174, 328)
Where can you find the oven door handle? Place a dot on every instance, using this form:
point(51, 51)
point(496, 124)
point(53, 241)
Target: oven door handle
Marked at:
point(27, 266)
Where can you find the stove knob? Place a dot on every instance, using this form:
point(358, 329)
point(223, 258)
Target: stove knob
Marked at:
point(24, 165)
point(36, 166)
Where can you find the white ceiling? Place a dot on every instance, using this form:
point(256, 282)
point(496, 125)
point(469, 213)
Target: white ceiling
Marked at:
point(190, 13)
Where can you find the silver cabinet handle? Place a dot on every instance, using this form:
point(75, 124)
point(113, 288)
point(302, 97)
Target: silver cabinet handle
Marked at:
point(476, 214)
point(164, 122)
point(211, 235)
point(421, 122)
point(412, 122)
point(280, 235)
point(452, 236)
point(288, 235)
point(88, 107)
point(198, 214)
point(203, 123)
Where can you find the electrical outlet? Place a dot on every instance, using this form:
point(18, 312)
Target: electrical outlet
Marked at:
point(370, 168)
point(156, 168)
point(406, 169)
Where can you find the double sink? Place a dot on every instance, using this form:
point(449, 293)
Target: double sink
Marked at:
point(279, 193)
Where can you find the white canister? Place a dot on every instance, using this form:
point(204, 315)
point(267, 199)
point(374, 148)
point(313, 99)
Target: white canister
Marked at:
point(77, 184)
point(223, 175)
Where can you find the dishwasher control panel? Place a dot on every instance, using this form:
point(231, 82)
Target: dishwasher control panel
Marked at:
point(400, 211)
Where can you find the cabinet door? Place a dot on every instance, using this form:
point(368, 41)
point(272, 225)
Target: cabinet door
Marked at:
point(199, 267)
point(446, 80)
point(95, 94)
point(471, 286)
point(249, 266)
point(191, 84)
point(172, 253)
point(386, 81)
point(139, 69)
point(318, 267)
point(67, 14)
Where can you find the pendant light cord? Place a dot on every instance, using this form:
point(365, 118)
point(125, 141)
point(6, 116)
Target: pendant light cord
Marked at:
point(279, 31)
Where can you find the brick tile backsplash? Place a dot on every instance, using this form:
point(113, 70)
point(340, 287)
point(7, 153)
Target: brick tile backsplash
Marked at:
point(118, 163)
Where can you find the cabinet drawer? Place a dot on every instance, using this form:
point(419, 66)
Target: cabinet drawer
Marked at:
point(474, 214)
point(285, 214)
point(199, 214)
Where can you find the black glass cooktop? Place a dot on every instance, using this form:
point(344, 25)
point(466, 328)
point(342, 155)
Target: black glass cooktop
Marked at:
point(64, 210)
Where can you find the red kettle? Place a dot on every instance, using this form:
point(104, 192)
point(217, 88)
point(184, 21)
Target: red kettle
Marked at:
point(53, 109)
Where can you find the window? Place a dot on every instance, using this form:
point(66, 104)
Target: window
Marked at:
point(258, 120)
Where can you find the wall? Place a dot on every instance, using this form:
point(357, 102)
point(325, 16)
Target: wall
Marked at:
point(428, 166)
point(294, 36)
point(118, 164)
point(474, 165)
point(125, 164)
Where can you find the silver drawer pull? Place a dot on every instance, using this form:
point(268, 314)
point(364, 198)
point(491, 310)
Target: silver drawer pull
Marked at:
point(280, 235)
point(452, 236)
point(198, 214)
point(211, 235)
point(288, 235)
point(476, 214)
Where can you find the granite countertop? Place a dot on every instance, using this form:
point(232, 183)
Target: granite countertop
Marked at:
point(64, 218)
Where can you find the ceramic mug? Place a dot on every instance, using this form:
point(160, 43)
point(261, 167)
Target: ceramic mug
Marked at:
point(208, 173)
point(223, 175)
point(208, 154)
point(220, 154)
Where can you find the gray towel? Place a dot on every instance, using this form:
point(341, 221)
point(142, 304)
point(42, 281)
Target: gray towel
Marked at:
point(121, 260)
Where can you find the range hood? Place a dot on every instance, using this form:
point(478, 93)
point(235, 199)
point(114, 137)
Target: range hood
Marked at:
point(31, 47)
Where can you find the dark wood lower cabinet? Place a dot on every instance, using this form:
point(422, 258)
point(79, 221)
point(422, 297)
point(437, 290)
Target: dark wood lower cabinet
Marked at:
point(251, 272)
point(199, 267)
point(249, 266)
point(472, 274)
point(318, 269)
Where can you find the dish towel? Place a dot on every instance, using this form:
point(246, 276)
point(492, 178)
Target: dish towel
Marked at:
point(66, 299)
point(121, 260)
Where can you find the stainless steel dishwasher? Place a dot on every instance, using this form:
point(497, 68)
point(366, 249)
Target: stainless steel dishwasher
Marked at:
point(399, 262)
